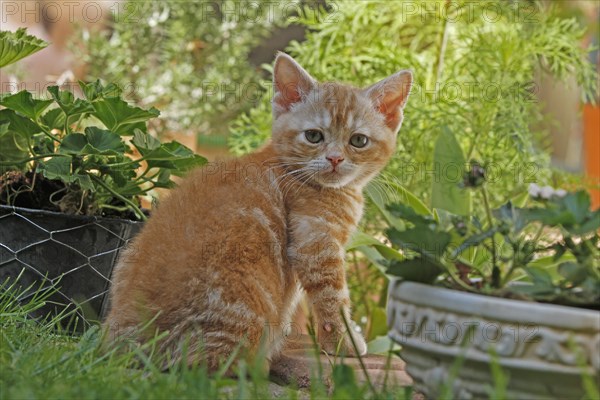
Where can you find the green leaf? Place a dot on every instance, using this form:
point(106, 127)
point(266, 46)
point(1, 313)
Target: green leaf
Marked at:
point(13, 147)
point(449, 162)
point(73, 143)
point(578, 204)
point(101, 141)
point(378, 325)
point(378, 198)
point(24, 103)
point(54, 119)
point(19, 125)
point(84, 181)
point(417, 269)
point(56, 168)
point(473, 240)
point(95, 90)
point(17, 45)
point(409, 214)
point(144, 141)
point(590, 224)
point(382, 345)
point(95, 141)
point(360, 238)
point(421, 239)
point(174, 156)
point(68, 103)
point(120, 117)
point(573, 272)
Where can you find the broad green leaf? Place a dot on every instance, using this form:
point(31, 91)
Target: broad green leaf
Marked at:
point(551, 217)
point(56, 168)
point(17, 45)
point(381, 345)
point(95, 141)
point(409, 214)
point(374, 257)
point(590, 224)
point(416, 270)
point(173, 156)
point(68, 103)
point(73, 143)
point(54, 119)
point(84, 181)
point(449, 163)
point(540, 277)
point(378, 324)
point(378, 198)
point(19, 125)
point(474, 240)
point(95, 90)
point(573, 272)
point(578, 204)
point(360, 238)
point(24, 103)
point(421, 239)
point(122, 177)
point(121, 118)
point(144, 141)
point(13, 147)
point(101, 141)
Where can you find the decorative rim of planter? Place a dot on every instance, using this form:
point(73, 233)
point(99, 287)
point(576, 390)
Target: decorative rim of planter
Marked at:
point(490, 307)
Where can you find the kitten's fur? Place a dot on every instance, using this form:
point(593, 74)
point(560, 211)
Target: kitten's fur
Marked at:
point(224, 258)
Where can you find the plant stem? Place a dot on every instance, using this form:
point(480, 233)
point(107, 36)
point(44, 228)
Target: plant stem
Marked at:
point(440, 65)
point(125, 200)
point(495, 269)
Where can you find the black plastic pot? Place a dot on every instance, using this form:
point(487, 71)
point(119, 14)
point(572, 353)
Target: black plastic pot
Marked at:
point(76, 254)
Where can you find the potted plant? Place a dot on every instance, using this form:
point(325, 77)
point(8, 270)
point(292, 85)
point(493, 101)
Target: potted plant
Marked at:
point(508, 298)
point(73, 171)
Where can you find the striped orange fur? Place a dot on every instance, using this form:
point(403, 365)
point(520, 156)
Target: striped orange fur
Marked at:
point(226, 256)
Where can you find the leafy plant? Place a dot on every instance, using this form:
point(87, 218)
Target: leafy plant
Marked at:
point(552, 245)
point(97, 149)
point(17, 45)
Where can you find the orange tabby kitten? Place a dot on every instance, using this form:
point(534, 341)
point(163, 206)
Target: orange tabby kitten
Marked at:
point(224, 259)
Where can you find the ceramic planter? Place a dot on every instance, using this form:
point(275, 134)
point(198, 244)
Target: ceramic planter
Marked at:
point(542, 349)
point(79, 250)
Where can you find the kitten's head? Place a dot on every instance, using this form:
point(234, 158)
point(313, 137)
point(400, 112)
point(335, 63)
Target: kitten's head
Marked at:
point(332, 134)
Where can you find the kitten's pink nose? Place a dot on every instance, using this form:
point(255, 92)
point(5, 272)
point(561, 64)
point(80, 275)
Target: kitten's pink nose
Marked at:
point(335, 160)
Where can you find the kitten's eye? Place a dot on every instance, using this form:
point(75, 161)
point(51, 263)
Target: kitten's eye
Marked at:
point(313, 136)
point(359, 140)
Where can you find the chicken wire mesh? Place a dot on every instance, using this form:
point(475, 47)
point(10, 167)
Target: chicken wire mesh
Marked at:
point(74, 255)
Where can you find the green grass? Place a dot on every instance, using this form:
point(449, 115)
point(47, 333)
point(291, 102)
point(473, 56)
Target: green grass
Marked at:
point(39, 361)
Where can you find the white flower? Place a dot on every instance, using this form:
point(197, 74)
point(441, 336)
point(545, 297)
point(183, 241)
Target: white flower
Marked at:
point(560, 192)
point(545, 192)
point(534, 190)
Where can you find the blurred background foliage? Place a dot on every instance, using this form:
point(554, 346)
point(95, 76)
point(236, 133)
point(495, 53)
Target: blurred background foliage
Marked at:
point(189, 59)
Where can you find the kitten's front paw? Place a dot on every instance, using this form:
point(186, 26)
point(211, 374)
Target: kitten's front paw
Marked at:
point(335, 341)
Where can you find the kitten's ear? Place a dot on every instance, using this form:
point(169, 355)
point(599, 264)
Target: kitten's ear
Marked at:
point(291, 82)
point(390, 96)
